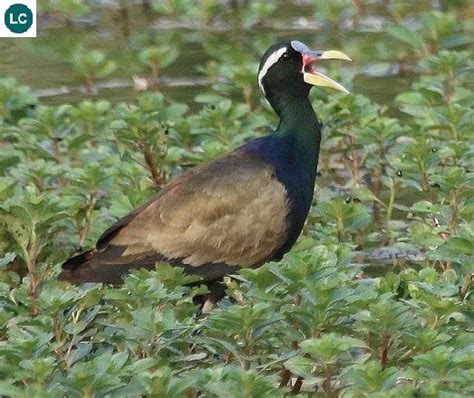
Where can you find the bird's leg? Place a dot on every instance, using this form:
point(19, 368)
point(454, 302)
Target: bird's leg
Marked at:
point(209, 300)
point(207, 306)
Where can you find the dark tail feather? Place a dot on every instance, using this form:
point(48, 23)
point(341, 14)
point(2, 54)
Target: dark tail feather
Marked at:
point(78, 260)
point(91, 267)
point(105, 267)
point(89, 272)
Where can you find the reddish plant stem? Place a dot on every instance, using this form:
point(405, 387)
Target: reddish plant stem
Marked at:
point(378, 187)
point(360, 6)
point(229, 358)
point(454, 202)
point(56, 149)
point(155, 75)
point(151, 166)
point(386, 342)
point(326, 385)
point(294, 322)
point(355, 163)
point(84, 228)
point(89, 85)
point(82, 234)
point(285, 377)
point(247, 92)
point(147, 9)
point(33, 281)
point(442, 235)
point(124, 17)
point(466, 286)
point(375, 205)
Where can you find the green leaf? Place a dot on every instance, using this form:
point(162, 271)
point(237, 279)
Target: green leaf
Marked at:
point(407, 36)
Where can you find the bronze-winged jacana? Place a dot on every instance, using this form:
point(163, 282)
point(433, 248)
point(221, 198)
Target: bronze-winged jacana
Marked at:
point(240, 210)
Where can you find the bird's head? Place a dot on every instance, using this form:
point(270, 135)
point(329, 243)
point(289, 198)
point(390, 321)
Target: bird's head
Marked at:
point(289, 67)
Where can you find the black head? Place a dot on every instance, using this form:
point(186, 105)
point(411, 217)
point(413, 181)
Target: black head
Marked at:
point(280, 68)
point(288, 67)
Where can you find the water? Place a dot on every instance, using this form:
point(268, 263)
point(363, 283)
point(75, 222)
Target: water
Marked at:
point(42, 63)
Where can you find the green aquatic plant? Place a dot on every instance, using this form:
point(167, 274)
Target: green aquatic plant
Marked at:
point(91, 65)
point(232, 71)
point(28, 219)
point(437, 31)
point(146, 129)
point(335, 13)
point(155, 58)
point(376, 297)
point(173, 8)
point(16, 101)
point(67, 10)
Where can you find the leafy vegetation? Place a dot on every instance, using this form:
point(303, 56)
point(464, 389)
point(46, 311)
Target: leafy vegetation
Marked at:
point(376, 299)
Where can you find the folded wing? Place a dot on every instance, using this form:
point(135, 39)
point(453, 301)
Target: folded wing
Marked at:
point(225, 214)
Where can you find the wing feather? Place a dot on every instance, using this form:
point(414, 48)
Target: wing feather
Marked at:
point(231, 212)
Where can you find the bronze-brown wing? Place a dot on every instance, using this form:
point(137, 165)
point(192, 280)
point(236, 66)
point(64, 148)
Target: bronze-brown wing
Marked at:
point(231, 212)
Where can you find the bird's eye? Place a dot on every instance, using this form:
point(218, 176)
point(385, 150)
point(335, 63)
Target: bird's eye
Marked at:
point(285, 56)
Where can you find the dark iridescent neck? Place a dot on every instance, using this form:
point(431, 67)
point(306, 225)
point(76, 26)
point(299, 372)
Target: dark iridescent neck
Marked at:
point(297, 119)
point(293, 150)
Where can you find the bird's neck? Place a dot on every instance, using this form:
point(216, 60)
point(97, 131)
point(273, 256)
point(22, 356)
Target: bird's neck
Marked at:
point(294, 151)
point(298, 123)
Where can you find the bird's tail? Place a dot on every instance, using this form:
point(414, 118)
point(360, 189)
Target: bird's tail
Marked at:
point(91, 266)
point(75, 269)
point(78, 260)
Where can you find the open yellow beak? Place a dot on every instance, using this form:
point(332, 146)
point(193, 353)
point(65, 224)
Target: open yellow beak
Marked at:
point(315, 78)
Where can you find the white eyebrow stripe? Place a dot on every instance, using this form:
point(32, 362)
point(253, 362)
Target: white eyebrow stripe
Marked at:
point(272, 59)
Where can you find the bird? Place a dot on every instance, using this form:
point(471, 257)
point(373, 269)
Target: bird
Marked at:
point(240, 210)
